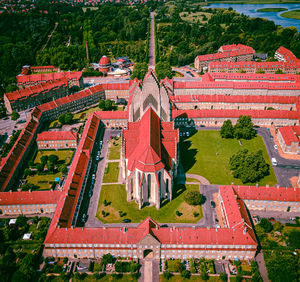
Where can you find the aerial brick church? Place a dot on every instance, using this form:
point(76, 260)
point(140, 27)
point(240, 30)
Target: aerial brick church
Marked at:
point(150, 145)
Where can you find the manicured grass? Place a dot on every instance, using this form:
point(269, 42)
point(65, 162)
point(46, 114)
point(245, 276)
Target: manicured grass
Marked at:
point(116, 196)
point(65, 156)
point(114, 149)
point(37, 178)
point(111, 174)
point(295, 14)
point(82, 116)
point(272, 10)
point(209, 155)
point(178, 278)
point(108, 277)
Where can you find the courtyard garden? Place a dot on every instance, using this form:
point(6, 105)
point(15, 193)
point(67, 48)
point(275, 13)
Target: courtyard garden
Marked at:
point(207, 154)
point(114, 149)
point(113, 207)
point(111, 173)
point(46, 166)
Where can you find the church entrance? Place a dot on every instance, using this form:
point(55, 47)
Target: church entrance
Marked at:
point(148, 253)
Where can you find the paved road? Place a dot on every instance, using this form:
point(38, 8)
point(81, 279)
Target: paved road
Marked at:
point(149, 270)
point(283, 173)
point(185, 73)
point(152, 42)
point(262, 266)
point(93, 204)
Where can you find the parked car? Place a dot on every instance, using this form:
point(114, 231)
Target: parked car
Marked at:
point(275, 147)
point(212, 204)
point(126, 220)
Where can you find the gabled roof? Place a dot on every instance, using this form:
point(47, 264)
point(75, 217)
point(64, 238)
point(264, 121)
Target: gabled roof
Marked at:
point(150, 143)
point(268, 193)
point(28, 197)
point(56, 135)
point(288, 135)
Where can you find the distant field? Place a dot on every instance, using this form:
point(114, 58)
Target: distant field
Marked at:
point(272, 10)
point(209, 156)
point(202, 17)
point(295, 14)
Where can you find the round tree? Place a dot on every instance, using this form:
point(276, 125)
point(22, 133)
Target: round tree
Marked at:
point(193, 198)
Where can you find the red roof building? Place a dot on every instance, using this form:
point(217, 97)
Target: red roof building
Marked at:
point(57, 140)
point(230, 53)
point(104, 64)
point(289, 139)
point(29, 202)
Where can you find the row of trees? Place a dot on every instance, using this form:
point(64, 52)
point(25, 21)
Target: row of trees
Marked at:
point(242, 129)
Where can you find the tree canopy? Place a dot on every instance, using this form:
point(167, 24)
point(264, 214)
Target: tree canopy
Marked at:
point(250, 167)
point(139, 70)
point(163, 70)
point(227, 129)
point(193, 198)
point(244, 128)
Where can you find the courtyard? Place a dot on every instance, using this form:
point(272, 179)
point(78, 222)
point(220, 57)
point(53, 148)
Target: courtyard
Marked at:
point(117, 208)
point(207, 154)
point(45, 179)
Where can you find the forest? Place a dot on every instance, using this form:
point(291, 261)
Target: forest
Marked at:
point(186, 30)
point(59, 37)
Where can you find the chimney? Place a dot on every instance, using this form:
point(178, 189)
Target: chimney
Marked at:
point(194, 227)
point(171, 229)
point(124, 229)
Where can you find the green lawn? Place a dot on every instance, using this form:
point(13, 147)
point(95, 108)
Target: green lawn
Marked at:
point(188, 179)
point(292, 15)
point(178, 278)
point(108, 277)
point(39, 180)
point(111, 173)
point(209, 155)
point(116, 196)
point(82, 116)
point(63, 155)
point(114, 149)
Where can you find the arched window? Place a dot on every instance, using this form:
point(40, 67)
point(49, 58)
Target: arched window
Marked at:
point(149, 185)
point(159, 178)
point(167, 186)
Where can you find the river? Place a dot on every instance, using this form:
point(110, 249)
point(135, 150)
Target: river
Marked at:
point(251, 10)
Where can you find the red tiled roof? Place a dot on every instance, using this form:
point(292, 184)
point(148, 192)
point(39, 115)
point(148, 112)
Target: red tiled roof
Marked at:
point(16, 153)
point(33, 78)
point(294, 115)
point(287, 54)
point(196, 84)
point(252, 76)
point(145, 140)
point(112, 114)
point(235, 99)
point(228, 51)
point(116, 86)
point(27, 197)
point(288, 135)
point(56, 135)
point(268, 193)
point(254, 65)
point(35, 90)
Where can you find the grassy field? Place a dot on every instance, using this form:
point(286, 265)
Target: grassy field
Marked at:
point(114, 149)
point(178, 278)
point(108, 277)
point(272, 10)
point(64, 156)
point(45, 179)
point(292, 15)
point(209, 156)
point(202, 17)
point(116, 196)
point(111, 173)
